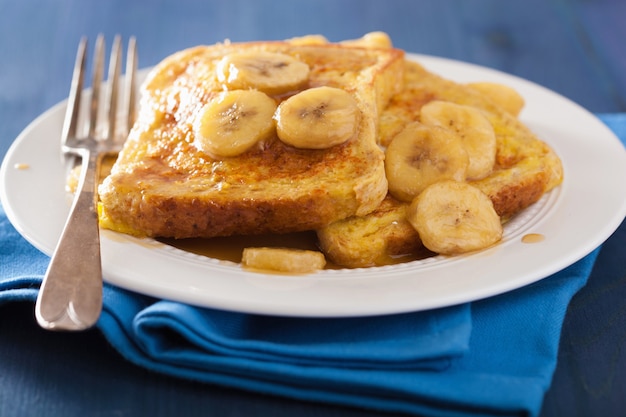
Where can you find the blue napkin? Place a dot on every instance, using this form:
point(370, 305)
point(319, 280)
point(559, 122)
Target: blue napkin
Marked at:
point(491, 357)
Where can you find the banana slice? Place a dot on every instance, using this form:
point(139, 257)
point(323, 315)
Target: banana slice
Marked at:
point(308, 40)
point(370, 40)
point(317, 118)
point(474, 129)
point(421, 155)
point(233, 122)
point(454, 217)
point(283, 260)
point(271, 72)
point(503, 95)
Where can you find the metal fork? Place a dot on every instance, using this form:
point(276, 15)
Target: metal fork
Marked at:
point(70, 297)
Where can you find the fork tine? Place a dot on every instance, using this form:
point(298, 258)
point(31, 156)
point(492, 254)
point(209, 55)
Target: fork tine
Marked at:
point(131, 79)
point(96, 82)
point(114, 78)
point(73, 103)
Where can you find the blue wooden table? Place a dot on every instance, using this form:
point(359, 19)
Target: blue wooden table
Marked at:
point(573, 47)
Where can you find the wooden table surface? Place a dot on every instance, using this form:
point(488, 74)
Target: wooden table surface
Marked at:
point(574, 47)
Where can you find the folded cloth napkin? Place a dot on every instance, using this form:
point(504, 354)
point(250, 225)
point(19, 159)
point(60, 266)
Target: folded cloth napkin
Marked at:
point(490, 357)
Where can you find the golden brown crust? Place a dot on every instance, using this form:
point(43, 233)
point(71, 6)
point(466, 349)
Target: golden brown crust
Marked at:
point(162, 186)
point(517, 187)
point(375, 239)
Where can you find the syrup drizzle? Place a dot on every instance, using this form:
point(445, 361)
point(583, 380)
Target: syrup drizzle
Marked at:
point(533, 238)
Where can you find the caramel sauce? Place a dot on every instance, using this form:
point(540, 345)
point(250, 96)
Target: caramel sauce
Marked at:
point(231, 248)
point(533, 238)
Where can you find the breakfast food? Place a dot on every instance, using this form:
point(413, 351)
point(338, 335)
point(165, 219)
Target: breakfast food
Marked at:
point(283, 259)
point(420, 156)
point(233, 122)
point(472, 127)
point(453, 217)
point(383, 159)
point(218, 148)
point(504, 96)
point(524, 169)
point(317, 118)
point(270, 72)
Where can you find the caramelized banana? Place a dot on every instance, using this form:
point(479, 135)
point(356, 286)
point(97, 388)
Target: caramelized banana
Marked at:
point(317, 118)
point(233, 122)
point(454, 217)
point(283, 260)
point(308, 40)
point(421, 155)
point(503, 95)
point(271, 72)
point(370, 40)
point(479, 138)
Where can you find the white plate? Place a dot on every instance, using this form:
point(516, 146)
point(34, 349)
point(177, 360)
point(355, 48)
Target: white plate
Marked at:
point(575, 219)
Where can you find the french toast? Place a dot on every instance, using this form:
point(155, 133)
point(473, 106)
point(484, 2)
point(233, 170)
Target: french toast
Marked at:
point(170, 181)
point(525, 168)
point(166, 183)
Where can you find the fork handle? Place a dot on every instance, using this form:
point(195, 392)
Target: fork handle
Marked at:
point(70, 297)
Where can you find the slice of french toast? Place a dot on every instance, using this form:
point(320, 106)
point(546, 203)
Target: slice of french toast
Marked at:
point(525, 168)
point(174, 178)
